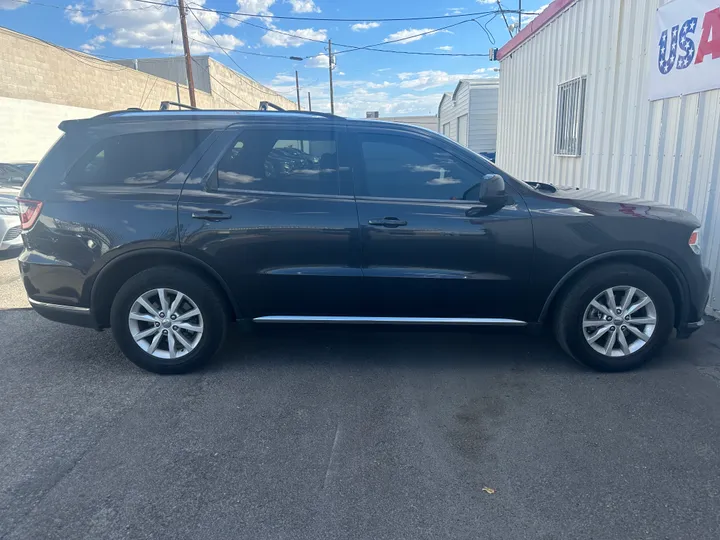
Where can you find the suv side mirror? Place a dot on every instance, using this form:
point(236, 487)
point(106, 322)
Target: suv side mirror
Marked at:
point(492, 191)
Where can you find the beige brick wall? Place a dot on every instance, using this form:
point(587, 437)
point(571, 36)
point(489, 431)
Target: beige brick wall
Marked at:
point(33, 70)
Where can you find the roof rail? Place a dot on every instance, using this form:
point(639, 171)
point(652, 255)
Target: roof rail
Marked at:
point(165, 105)
point(265, 105)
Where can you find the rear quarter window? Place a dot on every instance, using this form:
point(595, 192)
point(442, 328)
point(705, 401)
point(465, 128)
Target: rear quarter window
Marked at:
point(135, 159)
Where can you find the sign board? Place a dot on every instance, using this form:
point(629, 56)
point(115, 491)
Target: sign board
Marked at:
point(685, 56)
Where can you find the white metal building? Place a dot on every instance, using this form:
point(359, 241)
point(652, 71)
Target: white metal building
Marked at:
point(469, 115)
point(574, 109)
point(428, 122)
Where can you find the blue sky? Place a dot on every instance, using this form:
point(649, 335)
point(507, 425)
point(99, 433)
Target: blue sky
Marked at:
point(394, 84)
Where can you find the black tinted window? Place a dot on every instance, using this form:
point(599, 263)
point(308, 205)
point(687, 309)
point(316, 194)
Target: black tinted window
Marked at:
point(281, 161)
point(401, 167)
point(136, 159)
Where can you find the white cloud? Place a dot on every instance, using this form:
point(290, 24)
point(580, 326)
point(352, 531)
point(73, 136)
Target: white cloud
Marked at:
point(304, 6)
point(94, 44)
point(226, 41)
point(455, 11)
point(424, 80)
point(282, 78)
point(9, 4)
point(151, 27)
point(74, 13)
point(361, 27)
point(411, 34)
point(447, 48)
point(248, 8)
point(275, 39)
point(405, 96)
point(486, 1)
point(527, 19)
point(319, 61)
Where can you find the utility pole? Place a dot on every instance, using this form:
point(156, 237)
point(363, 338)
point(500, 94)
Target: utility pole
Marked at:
point(519, 16)
point(330, 65)
point(188, 58)
point(297, 89)
point(309, 102)
point(502, 12)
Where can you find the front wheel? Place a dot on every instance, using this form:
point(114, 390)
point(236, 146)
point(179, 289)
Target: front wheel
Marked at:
point(167, 320)
point(615, 318)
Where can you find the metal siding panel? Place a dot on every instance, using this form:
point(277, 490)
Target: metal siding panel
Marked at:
point(667, 150)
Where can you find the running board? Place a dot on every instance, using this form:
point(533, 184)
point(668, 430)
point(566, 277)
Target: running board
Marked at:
point(388, 320)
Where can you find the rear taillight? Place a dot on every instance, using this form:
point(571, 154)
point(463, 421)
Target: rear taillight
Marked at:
point(694, 241)
point(29, 212)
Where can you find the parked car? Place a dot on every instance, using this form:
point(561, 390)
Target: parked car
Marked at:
point(26, 168)
point(166, 226)
point(11, 180)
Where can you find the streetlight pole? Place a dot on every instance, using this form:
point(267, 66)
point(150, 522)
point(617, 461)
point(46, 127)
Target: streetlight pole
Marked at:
point(297, 89)
point(309, 102)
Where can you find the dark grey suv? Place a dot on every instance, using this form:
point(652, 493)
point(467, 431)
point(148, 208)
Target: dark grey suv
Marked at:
point(167, 226)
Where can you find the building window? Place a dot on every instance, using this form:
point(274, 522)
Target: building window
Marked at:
point(446, 129)
point(570, 117)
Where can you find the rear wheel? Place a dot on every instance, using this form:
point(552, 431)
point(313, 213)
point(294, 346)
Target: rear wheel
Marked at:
point(615, 318)
point(167, 320)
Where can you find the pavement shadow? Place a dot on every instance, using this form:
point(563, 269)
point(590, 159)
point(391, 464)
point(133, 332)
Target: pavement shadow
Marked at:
point(367, 347)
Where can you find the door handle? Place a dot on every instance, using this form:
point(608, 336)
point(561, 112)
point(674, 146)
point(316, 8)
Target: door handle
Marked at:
point(389, 222)
point(211, 215)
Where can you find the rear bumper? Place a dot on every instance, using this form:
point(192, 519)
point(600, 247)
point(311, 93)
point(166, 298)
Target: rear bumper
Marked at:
point(77, 316)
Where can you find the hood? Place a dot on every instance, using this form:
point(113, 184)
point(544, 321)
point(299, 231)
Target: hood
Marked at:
point(609, 203)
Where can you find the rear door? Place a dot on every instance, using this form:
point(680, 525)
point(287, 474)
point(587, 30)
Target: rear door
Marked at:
point(270, 211)
point(430, 248)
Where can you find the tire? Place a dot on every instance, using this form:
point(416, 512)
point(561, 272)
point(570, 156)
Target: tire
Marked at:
point(575, 310)
point(197, 294)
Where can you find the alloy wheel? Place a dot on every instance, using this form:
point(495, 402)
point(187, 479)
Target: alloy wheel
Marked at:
point(165, 323)
point(619, 321)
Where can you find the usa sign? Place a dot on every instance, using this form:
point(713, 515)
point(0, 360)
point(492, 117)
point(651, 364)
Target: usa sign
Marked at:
point(685, 56)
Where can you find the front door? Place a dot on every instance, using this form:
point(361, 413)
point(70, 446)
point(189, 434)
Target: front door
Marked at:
point(429, 249)
point(266, 208)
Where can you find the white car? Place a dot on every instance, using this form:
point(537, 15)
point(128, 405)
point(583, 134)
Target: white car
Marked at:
point(11, 180)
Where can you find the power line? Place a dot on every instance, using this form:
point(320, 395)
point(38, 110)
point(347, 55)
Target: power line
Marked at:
point(502, 11)
point(225, 87)
point(81, 10)
point(243, 51)
point(414, 36)
point(219, 47)
point(323, 19)
point(80, 56)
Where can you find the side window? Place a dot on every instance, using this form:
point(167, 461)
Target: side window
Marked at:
point(402, 167)
point(283, 161)
point(136, 158)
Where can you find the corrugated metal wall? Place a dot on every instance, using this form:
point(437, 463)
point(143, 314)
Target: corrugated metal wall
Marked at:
point(482, 136)
point(667, 150)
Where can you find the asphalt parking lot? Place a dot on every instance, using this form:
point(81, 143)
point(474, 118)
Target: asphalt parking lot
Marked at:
point(334, 433)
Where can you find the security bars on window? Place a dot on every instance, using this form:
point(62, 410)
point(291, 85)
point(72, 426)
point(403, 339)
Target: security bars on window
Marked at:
point(570, 116)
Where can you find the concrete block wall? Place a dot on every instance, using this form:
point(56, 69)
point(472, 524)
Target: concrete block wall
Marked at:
point(31, 69)
point(42, 84)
